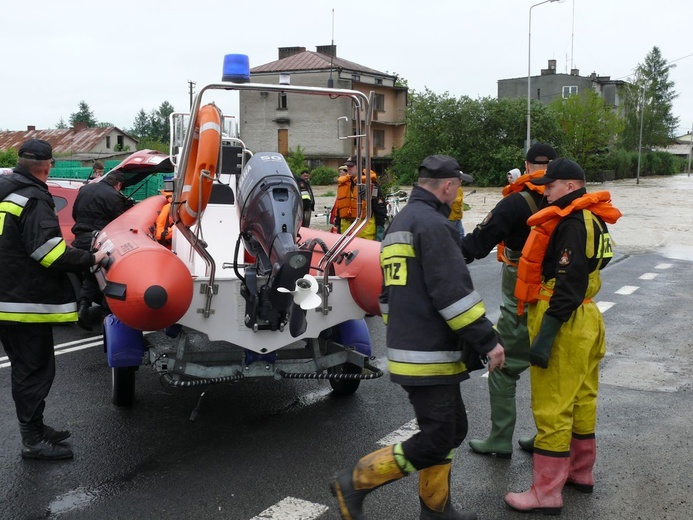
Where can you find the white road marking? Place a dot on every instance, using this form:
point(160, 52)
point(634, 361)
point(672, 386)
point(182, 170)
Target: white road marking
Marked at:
point(627, 289)
point(649, 276)
point(663, 266)
point(292, 508)
point(65, 348)
point(605, 306)
point(401, 434)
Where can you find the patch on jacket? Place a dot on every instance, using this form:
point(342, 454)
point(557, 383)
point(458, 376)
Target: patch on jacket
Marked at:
point(487, 218)
point(565, 258)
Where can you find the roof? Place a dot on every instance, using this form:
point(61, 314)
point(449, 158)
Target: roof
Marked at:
point(311, 60)
point(62, 141)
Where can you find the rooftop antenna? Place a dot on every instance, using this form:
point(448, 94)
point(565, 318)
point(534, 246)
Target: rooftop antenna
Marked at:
point(572, 38)
point(330, 81)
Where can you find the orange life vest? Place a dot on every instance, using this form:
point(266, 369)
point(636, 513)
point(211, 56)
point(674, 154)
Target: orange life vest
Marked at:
point(517, 187)
point(347, 198)
point(543, 222)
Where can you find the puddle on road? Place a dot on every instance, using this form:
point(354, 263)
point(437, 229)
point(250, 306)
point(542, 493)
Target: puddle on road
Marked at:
point(678, 252)
point(72, 500)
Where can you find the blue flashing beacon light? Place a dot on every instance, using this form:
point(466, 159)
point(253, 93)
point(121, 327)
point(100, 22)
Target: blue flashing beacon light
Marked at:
point(236, 68)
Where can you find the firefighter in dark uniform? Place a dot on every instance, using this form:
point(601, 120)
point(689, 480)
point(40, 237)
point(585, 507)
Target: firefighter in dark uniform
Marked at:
point(97, 204)
point(558, 277)
point(506, 227)
point(35, 292)
point(430, 306)
point(307, 196)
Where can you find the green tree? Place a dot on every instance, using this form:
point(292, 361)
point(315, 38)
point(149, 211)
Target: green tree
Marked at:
point(296, 160)
point(141, 127)
point(649, 101)
point(485, 135)
point(8, 158)
point(61, 125)
point(589, 127)
point(84, 114)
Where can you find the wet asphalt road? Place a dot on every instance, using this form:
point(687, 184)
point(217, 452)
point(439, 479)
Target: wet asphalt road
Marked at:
point(255, 443)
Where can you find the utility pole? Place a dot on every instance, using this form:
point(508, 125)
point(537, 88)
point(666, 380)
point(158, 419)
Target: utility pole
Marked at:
point(690, 150)
point(191, 90)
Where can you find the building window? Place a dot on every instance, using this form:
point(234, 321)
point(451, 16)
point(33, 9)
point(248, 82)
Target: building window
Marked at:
point(569, 91)
point(121, 142)
point(282, 101)
point(378, 81)
point(378, 138)
point(108, 141)
point(379, 102)
point(356, 77)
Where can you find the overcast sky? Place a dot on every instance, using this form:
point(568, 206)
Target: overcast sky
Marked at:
point(122, 56)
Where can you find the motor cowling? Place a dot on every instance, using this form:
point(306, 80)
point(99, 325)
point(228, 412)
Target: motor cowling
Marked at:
point(269, 212)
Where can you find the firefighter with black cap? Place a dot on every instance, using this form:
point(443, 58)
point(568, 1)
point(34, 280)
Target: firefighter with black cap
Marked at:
point(430, 308)
point(558, 279)
point(35, 292)
point(506, 227)
point(97, 204)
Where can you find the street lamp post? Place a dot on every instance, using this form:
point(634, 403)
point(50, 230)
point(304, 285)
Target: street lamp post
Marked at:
point(529, 73)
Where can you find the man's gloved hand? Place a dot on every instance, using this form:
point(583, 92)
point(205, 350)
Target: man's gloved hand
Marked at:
point(540, 350)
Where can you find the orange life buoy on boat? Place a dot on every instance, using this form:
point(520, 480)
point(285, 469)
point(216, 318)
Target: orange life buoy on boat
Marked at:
point(204, 155)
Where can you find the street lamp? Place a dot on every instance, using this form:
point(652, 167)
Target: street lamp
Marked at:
point(529, 73)
point(642, 119)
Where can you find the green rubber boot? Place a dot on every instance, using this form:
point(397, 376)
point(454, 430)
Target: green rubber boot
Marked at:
point(499, 441)
point(527, 444)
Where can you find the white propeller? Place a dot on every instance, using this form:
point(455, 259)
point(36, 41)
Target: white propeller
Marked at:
point(306, 292)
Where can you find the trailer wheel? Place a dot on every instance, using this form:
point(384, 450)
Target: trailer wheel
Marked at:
point(123, 385)
point(344, 387)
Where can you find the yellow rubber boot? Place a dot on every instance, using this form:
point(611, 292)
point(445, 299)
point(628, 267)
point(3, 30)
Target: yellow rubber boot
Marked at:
point(372, 471)
point(434, 495)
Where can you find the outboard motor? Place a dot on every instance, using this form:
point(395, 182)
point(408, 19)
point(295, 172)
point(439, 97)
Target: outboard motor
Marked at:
point(269, 211)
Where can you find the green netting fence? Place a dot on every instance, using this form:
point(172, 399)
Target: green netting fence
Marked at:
point(74, 170)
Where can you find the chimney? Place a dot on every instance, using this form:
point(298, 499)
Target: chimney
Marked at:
point(330, 50)
point(30, 128)
point(550, 70)
point(574, 72)
point(285, 52)
point(78, 127)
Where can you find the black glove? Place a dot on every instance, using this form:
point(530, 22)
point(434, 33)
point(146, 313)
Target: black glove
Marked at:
point(540, 350)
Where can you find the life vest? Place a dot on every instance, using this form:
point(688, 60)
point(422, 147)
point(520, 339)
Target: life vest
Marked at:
point(517, 187)
point(164, 224)
point(543, 223)
point(347, 198)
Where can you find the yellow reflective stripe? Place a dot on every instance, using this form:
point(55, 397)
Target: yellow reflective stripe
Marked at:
point(11, 208)
point(384, 316)
point(468, 317)
point(428, 369)
point(52, 255)
point(38, 318)
point(589, 227)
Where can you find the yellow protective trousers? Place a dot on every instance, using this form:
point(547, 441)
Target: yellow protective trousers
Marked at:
point(368, 231)
point(564, 395)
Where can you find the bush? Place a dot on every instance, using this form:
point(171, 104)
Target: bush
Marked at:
point(323, 176)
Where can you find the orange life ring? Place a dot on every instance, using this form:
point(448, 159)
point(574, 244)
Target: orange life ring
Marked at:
point(204, 155)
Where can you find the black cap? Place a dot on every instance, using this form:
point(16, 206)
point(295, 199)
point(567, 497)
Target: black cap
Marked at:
point(561, 168)
point(540, 153)
point(351, 161)
point(36, 149)
point(442, 167)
